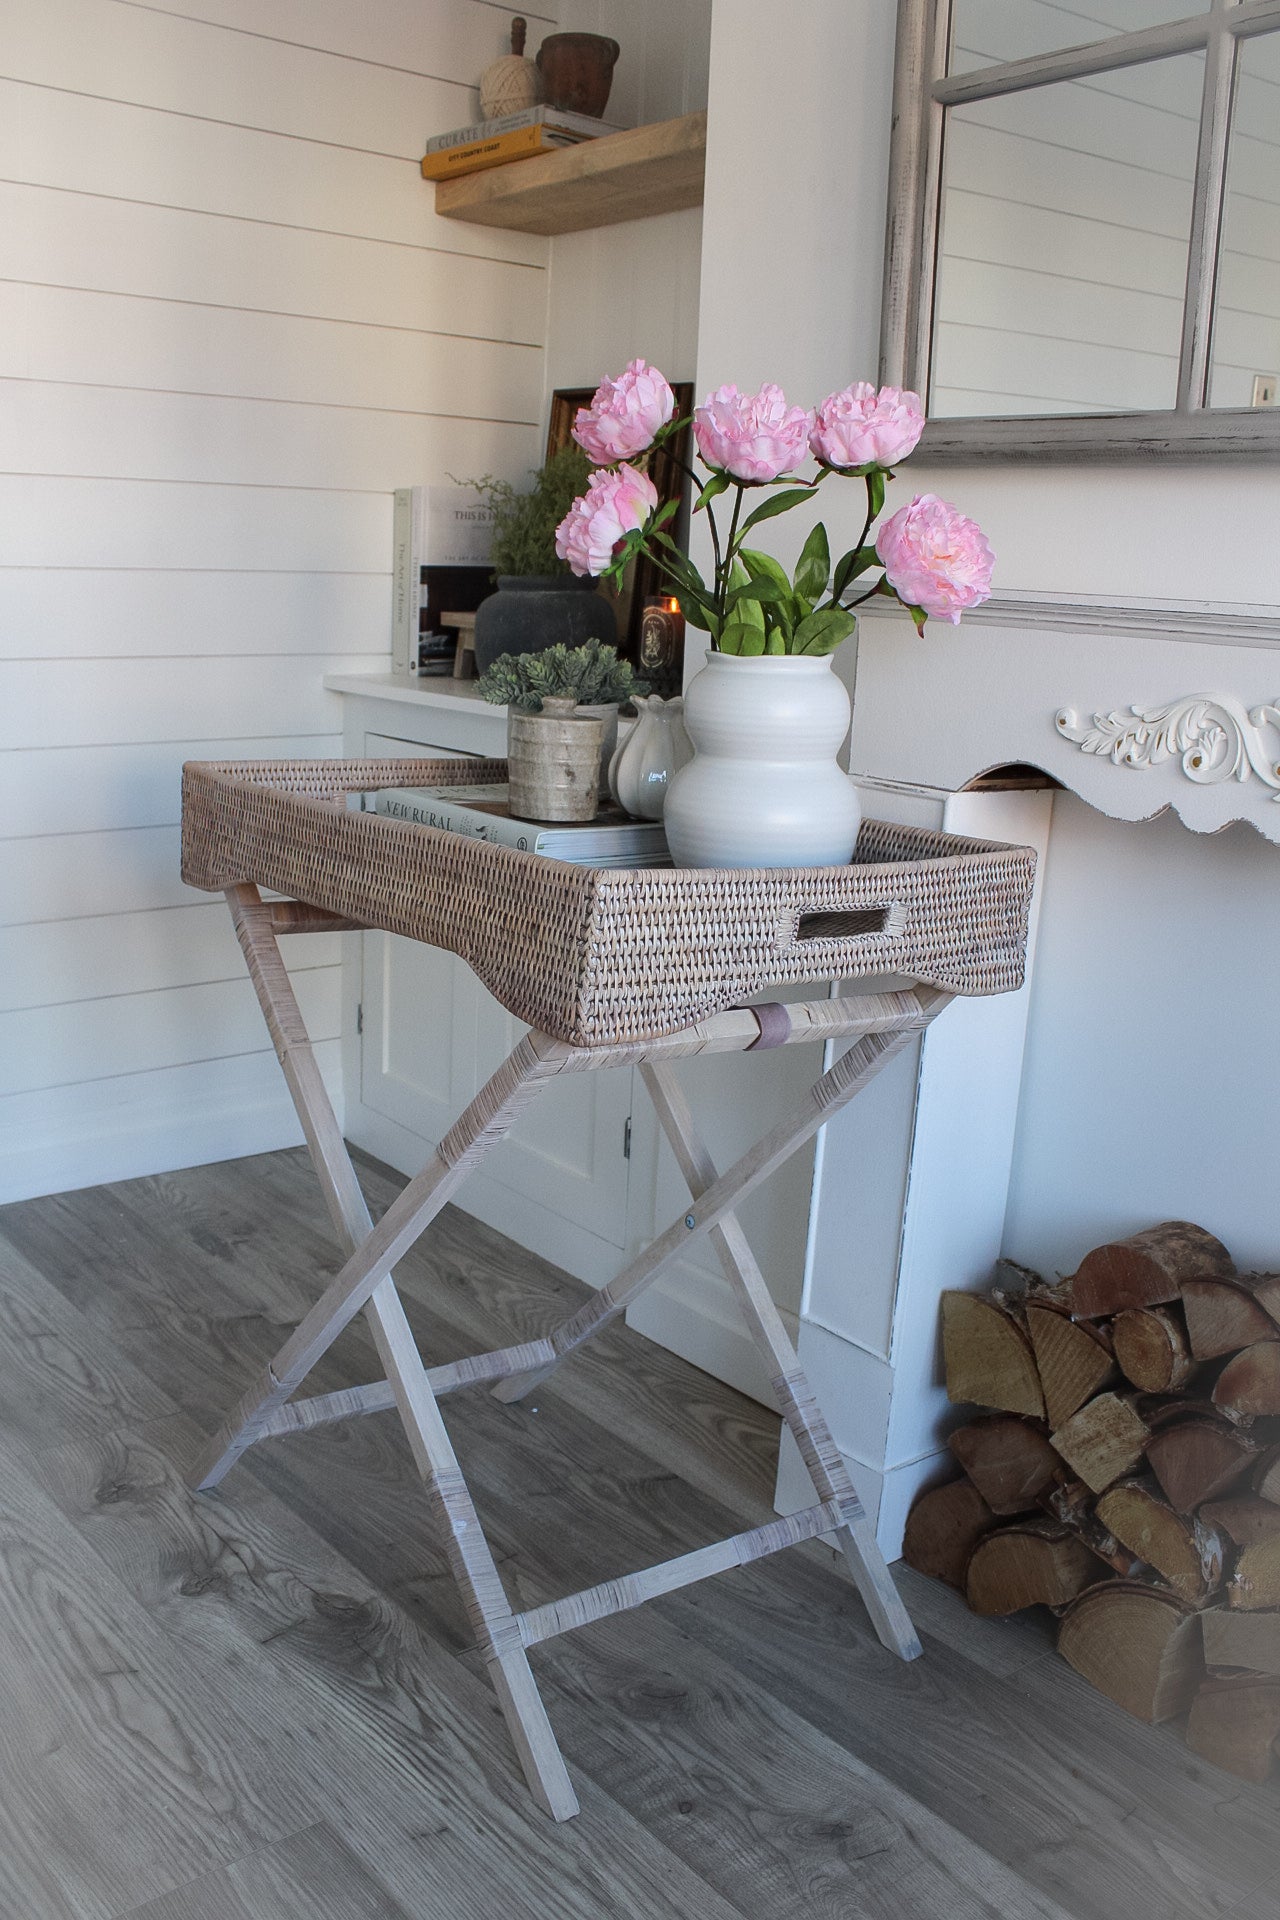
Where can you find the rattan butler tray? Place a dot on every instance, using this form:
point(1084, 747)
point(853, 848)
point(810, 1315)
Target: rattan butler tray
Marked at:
point(610, 968)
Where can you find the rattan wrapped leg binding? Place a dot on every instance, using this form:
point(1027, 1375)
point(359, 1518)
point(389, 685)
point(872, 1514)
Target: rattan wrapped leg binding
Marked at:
point(229, 840)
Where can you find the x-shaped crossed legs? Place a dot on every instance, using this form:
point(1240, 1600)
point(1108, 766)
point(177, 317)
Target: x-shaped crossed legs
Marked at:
point(884, 1024)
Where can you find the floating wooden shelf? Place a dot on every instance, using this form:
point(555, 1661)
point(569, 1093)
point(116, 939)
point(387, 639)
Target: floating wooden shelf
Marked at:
point(624, 176)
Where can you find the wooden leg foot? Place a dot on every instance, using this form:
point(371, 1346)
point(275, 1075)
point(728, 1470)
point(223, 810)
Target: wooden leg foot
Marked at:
point(530, 1730)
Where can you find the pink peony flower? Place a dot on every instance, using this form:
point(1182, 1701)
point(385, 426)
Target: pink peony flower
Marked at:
point(753, 436)
point(858, 426)
point(625, 416)
point(613, 505)
point(935, 558)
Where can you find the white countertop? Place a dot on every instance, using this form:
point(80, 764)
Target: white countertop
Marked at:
point(440, 691)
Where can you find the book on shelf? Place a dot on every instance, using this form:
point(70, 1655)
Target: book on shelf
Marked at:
point(522, 143)
point(581, 125)
point(439, 557)
point(612, 839)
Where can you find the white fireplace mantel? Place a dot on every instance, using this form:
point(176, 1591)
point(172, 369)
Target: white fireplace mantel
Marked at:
point(1136, 709)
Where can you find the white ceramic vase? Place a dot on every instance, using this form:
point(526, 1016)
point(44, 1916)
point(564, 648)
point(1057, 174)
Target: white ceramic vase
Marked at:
point(764, 788)
point(654, 750)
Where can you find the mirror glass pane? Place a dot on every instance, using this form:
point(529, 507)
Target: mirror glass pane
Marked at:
point(985, 32)
point(1062, 257)
point(1246, 322)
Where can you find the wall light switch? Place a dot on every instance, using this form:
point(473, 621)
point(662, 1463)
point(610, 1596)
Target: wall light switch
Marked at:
point(1265, 386)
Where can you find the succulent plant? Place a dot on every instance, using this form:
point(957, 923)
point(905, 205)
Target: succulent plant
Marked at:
point(591, 675)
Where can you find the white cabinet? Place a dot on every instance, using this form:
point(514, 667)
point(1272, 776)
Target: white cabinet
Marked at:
point(430, 1035)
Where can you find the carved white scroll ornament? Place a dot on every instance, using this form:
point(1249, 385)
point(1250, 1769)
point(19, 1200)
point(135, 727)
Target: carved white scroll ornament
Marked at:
point(1212, 734)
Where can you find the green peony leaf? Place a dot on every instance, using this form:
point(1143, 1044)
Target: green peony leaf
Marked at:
point(850, 565)
point(823, 631)
point(780, 503)
point(716, 485)
point(814, 566)
point(742, 636)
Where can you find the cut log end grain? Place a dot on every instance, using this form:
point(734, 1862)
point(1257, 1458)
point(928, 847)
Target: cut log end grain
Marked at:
point(943, 1527)
point(1197, 1458)
point(1035, 1563)
point(1248, 1640)
point(1073, 1358)
point(1255, 1581)
point(1266, 1475)
point(1225, 1315)
point(1244, 1519)
point(1103, 1441)
point(1148, 1269)
point(1138, 1645)
point(1152, 1348)
point(1234, 1724)
point(1186, 1553)
point(988, 1357)
point(1008, 1460)
point(1250, 1383)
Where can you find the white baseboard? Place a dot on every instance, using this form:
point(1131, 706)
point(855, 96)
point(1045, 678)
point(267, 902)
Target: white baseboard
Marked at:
point(692, 1312)
point(133, 1124)
point(886, 1494)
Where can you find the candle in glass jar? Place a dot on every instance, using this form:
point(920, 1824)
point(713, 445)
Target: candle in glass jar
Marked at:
point(662, 642)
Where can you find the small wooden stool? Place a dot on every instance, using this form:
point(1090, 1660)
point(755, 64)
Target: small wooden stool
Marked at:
point(562, 943)
point(464, 660)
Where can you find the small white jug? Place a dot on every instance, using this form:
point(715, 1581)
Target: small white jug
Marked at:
point(655, 749)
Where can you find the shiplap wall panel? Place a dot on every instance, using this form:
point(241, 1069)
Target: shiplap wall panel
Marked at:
point(55, 790)
point(230, 325)
point(54, 238)
point(133, 614)
point(62, 703)
point(133, 953)
point(135, 1123)
point(64, 520)
point(190, 437)
point(137, 1032)
point(449, 41)
point(69, 140)
point(75, 876)
point(152, 58)
point(57, 333)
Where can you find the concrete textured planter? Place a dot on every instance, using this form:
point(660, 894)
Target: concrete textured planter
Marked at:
point(530, 612)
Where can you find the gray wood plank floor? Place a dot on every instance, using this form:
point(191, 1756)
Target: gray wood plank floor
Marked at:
point(261, 1704)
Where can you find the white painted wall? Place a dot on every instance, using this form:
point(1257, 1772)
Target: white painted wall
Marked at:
point(616, 292)
point(230, 325)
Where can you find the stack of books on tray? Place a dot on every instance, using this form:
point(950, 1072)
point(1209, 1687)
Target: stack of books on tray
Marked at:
point(612, 839)
point(516, 136)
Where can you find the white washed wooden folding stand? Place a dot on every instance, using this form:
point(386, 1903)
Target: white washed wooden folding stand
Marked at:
point(879, 1223)
point(879, 1025)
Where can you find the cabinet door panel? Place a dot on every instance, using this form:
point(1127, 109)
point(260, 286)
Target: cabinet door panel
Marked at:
point(418, 1060)
point(433, 1035)
point(568, 1154)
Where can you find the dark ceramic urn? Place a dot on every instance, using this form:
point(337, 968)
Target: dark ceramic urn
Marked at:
point(533, 611)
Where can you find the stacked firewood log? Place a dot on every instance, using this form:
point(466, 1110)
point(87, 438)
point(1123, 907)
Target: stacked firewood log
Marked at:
point(1124, 1470)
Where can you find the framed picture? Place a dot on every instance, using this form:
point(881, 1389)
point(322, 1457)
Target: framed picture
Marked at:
point(643, 577)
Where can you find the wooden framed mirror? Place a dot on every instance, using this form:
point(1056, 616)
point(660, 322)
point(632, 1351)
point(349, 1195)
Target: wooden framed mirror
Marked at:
point(1083, 244)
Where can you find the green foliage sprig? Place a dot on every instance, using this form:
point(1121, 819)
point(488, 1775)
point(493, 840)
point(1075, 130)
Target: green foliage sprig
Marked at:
point(591, 675)
point(524, 524)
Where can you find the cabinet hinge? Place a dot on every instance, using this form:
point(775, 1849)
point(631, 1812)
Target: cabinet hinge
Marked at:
point(626, 1138)
point(360, 1017)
